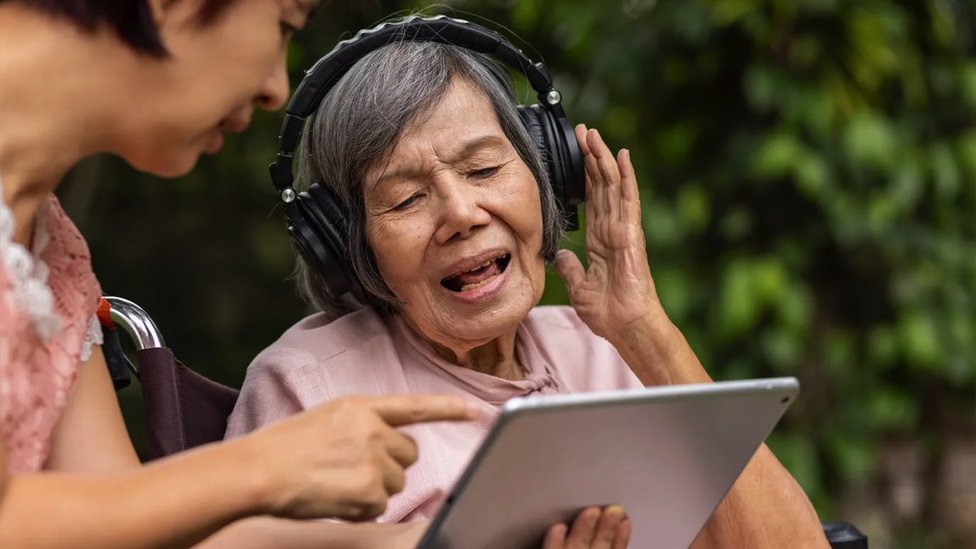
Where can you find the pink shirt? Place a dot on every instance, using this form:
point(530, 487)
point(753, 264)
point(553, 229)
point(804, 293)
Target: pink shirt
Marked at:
point(363, 353)
point(48, 297)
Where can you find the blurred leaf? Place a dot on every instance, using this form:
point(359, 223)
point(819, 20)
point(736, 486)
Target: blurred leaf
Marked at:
point(870, 140)
point(854, 454)
point(892, 409)
point(692, 202)
point(919, 340)
point(777, 156)
point(740, 298)
point(967, 82)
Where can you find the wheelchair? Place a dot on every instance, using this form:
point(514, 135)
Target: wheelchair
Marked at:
point(184, 409)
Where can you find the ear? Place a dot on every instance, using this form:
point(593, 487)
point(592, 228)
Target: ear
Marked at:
point(159, 10)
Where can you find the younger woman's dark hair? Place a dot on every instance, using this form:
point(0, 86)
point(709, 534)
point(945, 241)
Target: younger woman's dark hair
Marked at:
point(130, 19)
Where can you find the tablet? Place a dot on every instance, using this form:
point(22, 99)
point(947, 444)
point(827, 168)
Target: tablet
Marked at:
point(667, 454)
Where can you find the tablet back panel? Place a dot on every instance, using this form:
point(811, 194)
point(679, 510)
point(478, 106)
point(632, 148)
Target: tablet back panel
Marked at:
point(667, 454)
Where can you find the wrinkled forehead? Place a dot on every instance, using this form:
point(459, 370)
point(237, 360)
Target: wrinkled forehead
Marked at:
point(462, 114)
point(393, 92)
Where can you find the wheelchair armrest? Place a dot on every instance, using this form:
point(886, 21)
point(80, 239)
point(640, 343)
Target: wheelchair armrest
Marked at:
point(842, 535)
point(119, 365)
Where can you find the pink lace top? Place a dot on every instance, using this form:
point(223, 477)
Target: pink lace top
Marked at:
point(48, 297)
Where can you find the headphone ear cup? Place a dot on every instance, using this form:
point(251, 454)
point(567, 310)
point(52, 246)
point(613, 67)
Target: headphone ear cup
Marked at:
point(309, 245)
point(329, 218)
point(324, 235)
point(532, 119)
point(569, 155)
point(557, 144)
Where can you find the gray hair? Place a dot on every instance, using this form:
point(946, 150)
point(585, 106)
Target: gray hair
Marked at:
point(359, 124)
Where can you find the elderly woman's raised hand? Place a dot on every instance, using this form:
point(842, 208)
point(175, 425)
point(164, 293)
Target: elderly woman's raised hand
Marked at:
point(616, 289)
point(594, 528)
point(345, 458)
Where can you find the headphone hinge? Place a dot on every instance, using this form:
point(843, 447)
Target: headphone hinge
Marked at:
point(281, 174)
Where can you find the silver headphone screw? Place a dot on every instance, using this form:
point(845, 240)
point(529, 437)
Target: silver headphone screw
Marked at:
point(553, 97)
point(288, 195)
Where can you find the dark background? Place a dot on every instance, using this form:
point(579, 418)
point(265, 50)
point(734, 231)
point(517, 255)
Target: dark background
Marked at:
point(808, 175)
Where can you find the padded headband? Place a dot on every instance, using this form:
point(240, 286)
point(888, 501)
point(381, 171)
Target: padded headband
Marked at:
point(325, 73)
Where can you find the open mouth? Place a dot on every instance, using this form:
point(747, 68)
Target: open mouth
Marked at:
point(479, 276)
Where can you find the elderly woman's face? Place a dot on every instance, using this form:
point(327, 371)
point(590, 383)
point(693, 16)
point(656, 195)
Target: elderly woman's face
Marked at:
point(455, 222)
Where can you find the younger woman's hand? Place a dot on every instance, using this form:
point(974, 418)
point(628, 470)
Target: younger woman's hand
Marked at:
point(594, 528)
point(343, 459)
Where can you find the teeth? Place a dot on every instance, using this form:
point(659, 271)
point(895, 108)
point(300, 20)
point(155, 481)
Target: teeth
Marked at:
point(482, 266)
point(467, 287)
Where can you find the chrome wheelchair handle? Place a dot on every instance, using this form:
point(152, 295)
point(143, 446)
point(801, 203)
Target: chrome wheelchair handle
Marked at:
point(136, 322)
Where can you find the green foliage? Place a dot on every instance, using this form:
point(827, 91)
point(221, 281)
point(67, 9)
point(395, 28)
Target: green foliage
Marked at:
point(808, 172)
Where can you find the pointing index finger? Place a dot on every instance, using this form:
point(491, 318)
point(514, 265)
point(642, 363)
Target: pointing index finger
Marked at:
point(398, 410)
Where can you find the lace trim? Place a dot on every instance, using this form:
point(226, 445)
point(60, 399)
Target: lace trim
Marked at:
point(28, 273)
point(93, 336)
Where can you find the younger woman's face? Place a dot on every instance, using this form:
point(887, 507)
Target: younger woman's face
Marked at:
point(213, 79)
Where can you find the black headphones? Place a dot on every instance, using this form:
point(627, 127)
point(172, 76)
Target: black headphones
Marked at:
point(315, 218)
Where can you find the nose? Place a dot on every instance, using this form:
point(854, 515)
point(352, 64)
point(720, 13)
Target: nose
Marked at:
point(274, 90)
point(462, 213)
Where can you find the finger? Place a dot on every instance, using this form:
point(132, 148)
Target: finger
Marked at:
point(363, 512)
point(570, 269)
point(623, 534)
point(606, 190)
point(394, 476)
point(555, 537)
point(581, 534)
point(581, 130)
point(606, 163)
point(402, 448)
point(629, 193)
point(596, 191)
point(606, 528)
point(399, 410)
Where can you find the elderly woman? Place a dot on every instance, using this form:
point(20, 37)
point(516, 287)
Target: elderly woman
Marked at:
point(453, 221)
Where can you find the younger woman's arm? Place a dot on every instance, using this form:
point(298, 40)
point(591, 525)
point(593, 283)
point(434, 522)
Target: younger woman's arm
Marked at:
point(343, 459)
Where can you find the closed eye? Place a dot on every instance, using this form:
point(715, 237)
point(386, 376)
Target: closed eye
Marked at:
point(407, 203)
point(484, 173)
